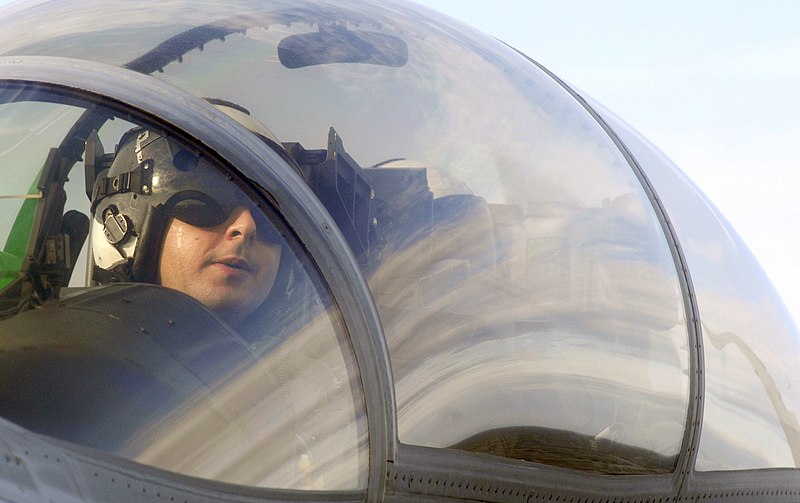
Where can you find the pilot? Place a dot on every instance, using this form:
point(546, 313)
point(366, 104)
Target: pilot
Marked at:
point(166, 215)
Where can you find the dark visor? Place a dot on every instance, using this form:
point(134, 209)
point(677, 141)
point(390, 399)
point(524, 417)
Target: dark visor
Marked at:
point(201, 210)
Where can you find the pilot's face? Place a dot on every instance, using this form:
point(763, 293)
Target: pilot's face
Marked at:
point(228, 267)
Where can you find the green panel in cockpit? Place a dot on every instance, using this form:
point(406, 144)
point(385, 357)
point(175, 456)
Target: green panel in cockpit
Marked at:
point(16, 240)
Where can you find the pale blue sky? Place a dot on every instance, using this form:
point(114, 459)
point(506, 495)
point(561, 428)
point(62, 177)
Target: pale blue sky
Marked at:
point(712, 83)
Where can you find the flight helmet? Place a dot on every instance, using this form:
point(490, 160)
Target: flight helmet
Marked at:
point(152, 179)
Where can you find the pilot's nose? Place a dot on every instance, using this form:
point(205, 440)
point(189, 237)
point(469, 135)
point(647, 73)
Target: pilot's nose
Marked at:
point(241, 224)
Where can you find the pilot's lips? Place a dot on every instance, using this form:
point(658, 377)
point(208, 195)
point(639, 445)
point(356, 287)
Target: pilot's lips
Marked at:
point(233, 263)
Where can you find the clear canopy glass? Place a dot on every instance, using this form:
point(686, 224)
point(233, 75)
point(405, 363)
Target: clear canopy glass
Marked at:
point(750, 344)
point(529, 296)
point(164, 376)
point(524, 283)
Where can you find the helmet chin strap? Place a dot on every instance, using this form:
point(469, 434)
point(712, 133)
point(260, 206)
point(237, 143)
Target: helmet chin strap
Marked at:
point(147, 257)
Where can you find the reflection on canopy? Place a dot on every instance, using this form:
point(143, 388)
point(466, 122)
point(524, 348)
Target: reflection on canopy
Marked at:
point(525, 284)
point(289, 421)
point(149, 373)
point(750, 343)
point(492, 324)
point(524, 278)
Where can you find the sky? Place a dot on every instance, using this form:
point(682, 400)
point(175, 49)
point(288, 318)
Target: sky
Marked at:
point(713, 83)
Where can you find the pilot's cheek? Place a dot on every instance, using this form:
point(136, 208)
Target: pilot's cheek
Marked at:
point(271, 265)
